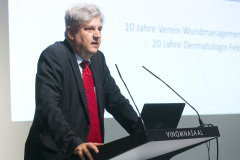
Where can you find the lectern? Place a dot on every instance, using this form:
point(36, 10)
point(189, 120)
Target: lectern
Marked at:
point(156, 144)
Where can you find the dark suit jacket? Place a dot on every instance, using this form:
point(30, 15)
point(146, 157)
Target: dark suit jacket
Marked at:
point(61, 119)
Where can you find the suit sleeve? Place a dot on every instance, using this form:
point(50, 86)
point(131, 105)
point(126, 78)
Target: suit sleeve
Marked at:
point(48, 101)
point(117, 104)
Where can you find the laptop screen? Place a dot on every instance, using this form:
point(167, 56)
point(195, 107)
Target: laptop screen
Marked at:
point(162, 115)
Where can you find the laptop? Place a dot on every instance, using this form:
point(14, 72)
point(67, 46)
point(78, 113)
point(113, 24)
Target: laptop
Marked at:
point(162, 115)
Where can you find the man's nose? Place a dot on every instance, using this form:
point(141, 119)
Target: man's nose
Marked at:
point(97, 34)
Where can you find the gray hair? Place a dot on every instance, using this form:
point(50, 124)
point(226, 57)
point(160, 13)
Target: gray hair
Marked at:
point(78, 14)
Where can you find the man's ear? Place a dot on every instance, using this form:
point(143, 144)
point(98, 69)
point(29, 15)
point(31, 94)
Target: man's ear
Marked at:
point(70, 33)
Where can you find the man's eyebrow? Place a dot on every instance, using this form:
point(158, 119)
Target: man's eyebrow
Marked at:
point(93, 26)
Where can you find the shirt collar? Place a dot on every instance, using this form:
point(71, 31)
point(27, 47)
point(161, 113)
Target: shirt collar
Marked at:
point(79, 59)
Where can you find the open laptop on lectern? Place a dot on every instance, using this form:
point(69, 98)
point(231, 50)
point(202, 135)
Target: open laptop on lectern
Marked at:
point(162, 115)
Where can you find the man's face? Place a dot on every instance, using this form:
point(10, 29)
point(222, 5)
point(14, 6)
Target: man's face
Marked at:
point(87, 39)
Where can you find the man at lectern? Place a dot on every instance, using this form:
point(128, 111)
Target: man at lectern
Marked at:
point(73, 88)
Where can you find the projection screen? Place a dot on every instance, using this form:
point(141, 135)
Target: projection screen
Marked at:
point(193, 45)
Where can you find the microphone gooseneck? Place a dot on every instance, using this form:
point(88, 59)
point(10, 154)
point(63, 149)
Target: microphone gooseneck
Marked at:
point(199, 118)
point(131, 97)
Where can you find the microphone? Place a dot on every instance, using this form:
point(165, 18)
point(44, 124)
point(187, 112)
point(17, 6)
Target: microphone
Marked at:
point(131, 98)
point(199, 118)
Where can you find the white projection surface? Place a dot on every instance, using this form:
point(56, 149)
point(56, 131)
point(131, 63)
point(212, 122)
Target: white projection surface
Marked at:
point(193, 45)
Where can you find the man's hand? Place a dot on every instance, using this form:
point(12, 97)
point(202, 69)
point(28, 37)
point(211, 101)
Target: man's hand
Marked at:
point(83, 149)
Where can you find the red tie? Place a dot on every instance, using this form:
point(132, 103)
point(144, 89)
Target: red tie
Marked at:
point(94, 132)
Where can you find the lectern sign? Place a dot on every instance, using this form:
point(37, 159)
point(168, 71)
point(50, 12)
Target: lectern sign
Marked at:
point(185, 133)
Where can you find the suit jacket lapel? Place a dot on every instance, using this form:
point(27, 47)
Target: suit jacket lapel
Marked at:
point(98, 85)
point(96, 77)
point(76, 71)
